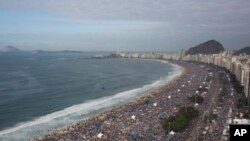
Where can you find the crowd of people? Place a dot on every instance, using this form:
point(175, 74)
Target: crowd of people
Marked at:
point(218, 129)
point(215, 115)
point(142, 119)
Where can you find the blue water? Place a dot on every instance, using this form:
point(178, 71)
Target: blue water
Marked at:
point(47, 91)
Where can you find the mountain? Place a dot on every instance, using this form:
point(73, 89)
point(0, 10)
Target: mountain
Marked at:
point(209, 47)
point(37, 51)
point(71, 51)
point(243, 50)
point(10, 49)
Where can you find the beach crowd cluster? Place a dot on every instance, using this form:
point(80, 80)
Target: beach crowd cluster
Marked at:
point(142, 118)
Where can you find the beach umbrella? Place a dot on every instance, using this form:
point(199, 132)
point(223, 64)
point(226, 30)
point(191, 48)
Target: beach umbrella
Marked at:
point(169, 96)
point(196, 104)
point(197, 91)
point(178, 90)
point(189, 81)
point(155, 104)
point(183, 85)
point(193, 75)
point(99, 135)
point(133, 117)
point(200, 87)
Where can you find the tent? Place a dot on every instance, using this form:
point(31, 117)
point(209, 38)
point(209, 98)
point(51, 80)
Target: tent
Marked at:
point(99, 135)
point(171, 132)
point(155, 104)
point(133, 117)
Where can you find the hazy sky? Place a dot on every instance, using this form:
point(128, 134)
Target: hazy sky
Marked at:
point(135, 25)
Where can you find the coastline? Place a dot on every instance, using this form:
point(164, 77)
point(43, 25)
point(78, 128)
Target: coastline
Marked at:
point(121, 106)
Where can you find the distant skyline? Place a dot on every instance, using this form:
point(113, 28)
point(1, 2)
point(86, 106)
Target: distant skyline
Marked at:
point(129, 25)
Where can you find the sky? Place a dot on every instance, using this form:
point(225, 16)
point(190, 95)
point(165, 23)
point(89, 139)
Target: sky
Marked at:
point(123, 25)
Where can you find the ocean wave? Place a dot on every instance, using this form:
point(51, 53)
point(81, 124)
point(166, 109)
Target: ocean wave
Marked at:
point(75, 113)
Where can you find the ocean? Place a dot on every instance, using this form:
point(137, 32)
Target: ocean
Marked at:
point(46, 91)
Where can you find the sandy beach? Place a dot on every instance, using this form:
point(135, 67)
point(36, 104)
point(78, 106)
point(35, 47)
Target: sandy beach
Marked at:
point(142, 118)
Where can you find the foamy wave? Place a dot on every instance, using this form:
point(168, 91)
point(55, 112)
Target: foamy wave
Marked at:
point(59, 119)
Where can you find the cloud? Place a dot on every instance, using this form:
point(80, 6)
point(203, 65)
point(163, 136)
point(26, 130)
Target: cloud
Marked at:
point(189, 21)
point(222, 14)
point(157, 10)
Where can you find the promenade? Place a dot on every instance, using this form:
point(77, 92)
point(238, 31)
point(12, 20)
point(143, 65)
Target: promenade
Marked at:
point(142, 119)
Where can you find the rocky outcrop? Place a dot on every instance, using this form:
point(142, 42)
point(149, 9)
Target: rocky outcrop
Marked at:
point(10, 49)
point(209, 47)
point(245, 50)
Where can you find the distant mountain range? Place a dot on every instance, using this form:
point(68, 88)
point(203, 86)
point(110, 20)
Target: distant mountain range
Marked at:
point(245, 50)
point(208, 47)
point(14, 49)
point(10, 49)
point(71, 51)
point(37, 51)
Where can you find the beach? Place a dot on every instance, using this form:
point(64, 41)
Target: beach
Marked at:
point(140, 119)
point(78, 93)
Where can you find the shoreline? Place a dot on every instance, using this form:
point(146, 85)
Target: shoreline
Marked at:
point(123, 105)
